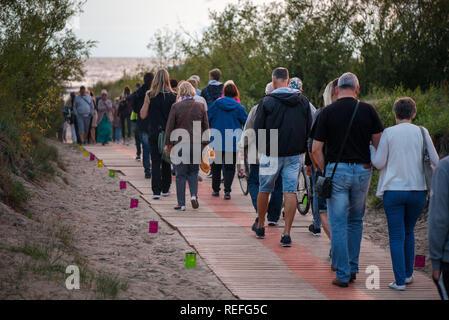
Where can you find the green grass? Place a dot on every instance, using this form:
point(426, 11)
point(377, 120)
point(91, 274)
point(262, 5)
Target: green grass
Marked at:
point(47, 261)
point(109, 285)
point(34, 251)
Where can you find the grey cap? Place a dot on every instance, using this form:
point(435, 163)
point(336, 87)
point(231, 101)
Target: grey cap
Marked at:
point(348, 80)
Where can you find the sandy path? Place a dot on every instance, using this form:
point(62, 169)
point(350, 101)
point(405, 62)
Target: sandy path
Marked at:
point(103, 233)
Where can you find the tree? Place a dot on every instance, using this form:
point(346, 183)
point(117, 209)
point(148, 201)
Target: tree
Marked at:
point(38, 55)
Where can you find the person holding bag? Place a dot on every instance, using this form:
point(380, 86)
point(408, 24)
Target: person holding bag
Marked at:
point(347, 127)
point(402, 156)
point(183, 115)
point(157, 105)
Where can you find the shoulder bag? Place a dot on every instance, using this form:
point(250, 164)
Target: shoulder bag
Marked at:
point(427, 165)
point(324, 185)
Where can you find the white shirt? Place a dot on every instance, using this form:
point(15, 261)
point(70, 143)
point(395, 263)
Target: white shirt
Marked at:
point(399, 156)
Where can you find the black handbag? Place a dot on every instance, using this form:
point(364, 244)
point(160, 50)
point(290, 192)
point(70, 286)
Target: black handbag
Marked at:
point(323, 185)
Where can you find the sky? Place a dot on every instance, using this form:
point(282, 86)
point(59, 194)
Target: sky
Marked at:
point(123, 28)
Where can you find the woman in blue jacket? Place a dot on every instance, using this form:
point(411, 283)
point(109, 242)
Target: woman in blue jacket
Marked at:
point(226, 118)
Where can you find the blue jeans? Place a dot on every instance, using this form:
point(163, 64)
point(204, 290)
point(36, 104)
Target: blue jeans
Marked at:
point(144, 138)
point(275, 204)
point(116, 134)
point(317, 203)
point(189, 173)
point(403, 209)
point(137, 137)
point(346, 208)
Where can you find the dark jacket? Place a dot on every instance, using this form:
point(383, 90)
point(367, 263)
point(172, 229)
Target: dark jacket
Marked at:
point(137, 99)
point(158, 112)
point(226, 113)
point(289, 112)
point(212, 92)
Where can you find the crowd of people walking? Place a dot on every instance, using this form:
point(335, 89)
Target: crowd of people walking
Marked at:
point(339, 144)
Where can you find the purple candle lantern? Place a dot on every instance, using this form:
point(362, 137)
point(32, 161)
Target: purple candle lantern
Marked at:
point(134, 203)
point(92, 157)
point(420, 261)
point(122, 185)
point(153, 226)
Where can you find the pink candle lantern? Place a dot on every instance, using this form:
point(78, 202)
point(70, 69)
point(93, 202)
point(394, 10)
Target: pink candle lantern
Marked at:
point(134, 203)
point(122, 185)
point(92, 157)
point(153, 226)
point(420, 261)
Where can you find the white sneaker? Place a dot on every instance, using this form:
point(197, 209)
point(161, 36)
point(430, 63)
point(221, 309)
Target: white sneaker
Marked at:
point(409, 280)
point(156, 197)
point(165, 194)
point(394, 286)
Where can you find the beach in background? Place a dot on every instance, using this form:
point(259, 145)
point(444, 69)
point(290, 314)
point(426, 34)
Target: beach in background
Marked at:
point(110, 69)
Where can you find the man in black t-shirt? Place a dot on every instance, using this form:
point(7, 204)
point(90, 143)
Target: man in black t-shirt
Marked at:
point(346, 207)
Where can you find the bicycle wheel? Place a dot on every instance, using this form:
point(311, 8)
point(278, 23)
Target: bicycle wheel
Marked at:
point(243, 179)
point(302, 193)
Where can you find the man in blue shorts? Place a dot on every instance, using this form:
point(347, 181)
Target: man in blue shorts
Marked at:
point(287, 111)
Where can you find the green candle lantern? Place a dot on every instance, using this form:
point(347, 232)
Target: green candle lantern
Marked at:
point(111, 173)
point(190, 260)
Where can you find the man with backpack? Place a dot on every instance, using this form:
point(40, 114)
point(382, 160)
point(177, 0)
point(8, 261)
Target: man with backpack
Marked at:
point(288, 112)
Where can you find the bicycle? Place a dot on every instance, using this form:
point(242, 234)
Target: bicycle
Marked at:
point(242, 175)
point(304, 192)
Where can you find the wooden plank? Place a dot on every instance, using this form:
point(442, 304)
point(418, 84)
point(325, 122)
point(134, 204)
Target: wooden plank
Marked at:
point(220, 231)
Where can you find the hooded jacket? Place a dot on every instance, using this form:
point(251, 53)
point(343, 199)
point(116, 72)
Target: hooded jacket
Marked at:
point(288, 112)
point(212, 92)
point(226, 113)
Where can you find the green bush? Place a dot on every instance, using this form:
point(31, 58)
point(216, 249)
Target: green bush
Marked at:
point(31, 160)
point(432, 106)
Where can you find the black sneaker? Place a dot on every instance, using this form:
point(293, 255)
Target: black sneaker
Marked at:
point(255, 224)
point(286, 241)
point(315, 231)
point(260, 232)
point(272, 223)
point(353, 277)
point(147, 175)
point(215, 194)
point(340, 284)
point(138, 158)
point(227, 196)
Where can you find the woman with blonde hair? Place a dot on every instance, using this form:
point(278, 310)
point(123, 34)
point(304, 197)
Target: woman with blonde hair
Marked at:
point(319, 206)
point(183, 114)
point(157, 105)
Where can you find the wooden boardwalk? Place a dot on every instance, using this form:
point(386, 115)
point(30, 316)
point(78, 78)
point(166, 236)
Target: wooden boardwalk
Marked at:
point(220, 232)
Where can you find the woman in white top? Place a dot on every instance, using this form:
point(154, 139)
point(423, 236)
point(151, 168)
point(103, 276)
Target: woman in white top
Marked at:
point(402, 185)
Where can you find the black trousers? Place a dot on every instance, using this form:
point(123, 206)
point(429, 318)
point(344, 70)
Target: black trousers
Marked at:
point(160, 170)
point(229, 173)
point(443, 284)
